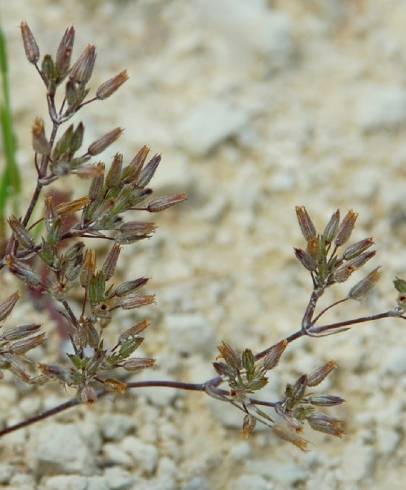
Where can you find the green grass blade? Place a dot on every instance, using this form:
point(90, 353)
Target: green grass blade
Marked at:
point(10, 183)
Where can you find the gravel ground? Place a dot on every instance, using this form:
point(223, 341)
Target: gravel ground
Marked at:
point(256, 106)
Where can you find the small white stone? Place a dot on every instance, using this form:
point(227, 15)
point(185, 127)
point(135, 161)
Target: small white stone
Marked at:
point(387, 440)
point(58, 448)
point(116, 455)
point(116, 426)
point(66, 482)
point(382, 108)
point(208, 124)
point(144, 456)
point(284, 473)
point(251, 482)
point(241, 451)
point(119, 479)
point(6, 472)
point(395, 363)
point(22, 481)
point(190, 333)
point(357, 462)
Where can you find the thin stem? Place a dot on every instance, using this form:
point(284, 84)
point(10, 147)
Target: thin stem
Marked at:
point(354, 321)
point(69, 311)
point(322, 312)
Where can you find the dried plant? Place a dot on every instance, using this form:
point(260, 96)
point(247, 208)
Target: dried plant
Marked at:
point(59, 263)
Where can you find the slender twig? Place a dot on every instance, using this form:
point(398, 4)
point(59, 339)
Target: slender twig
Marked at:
point(322, 312)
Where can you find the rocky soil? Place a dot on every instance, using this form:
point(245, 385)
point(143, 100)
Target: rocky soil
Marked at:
point(256, 106)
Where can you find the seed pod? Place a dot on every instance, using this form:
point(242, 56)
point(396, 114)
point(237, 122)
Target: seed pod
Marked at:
point(363, 287)
point(148, 171)
point(362, 259)
point(330, 231)
point(229, 355)
point(134, 331)
point(343, 272)
point(299, 388)
point(346, 227)
point(83, 68)
point(131, 302)
point(110, 263)
point(89, 267)
point(248, 425)
point(64, 53)
point(305, 223)
point(133, 231)
point(306, 259)
point(30, 45)
point(313, 247)
point(23, 271)
point(108, 88)
point(130, 286)
point(20, 233)
point(72, 206)
point(325, 400)
point(6, 307)
point(40, 142)
point(102, 143)
point(23, 346)
point(323, 423)
point(96, 187)
point(116, 385)
point(133, 170)
point(135, 363)
point(88, 395)
point(317, 376)
point(273, 355)
point(290, 436)
point(20, 332)
point(165, 202)
point(357, 248)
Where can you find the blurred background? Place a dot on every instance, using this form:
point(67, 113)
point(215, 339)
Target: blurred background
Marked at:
point(256, 106)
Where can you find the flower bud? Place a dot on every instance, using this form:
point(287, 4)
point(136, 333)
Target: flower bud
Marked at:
point(21, 234)
point(83, 68)
point(317, 376)
point(110, 263)
point(325, 400)
point(130, 302)
point(165, 202)
point(272, 357)
point(102, 143)
point(134, 330)
point(135, 363)
point(40, 142)
point(331, 228)
point(346, 227)
point(248, 425)
point(88, 395)
point(323, 423)
point(306, 259)
point(148, 171)
point(357, 248)
point(64, 52)
point(130, 286)
point(30, 45)
point(7, 306)
point(363, 287)
point(305, 223)
point(108, 88)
